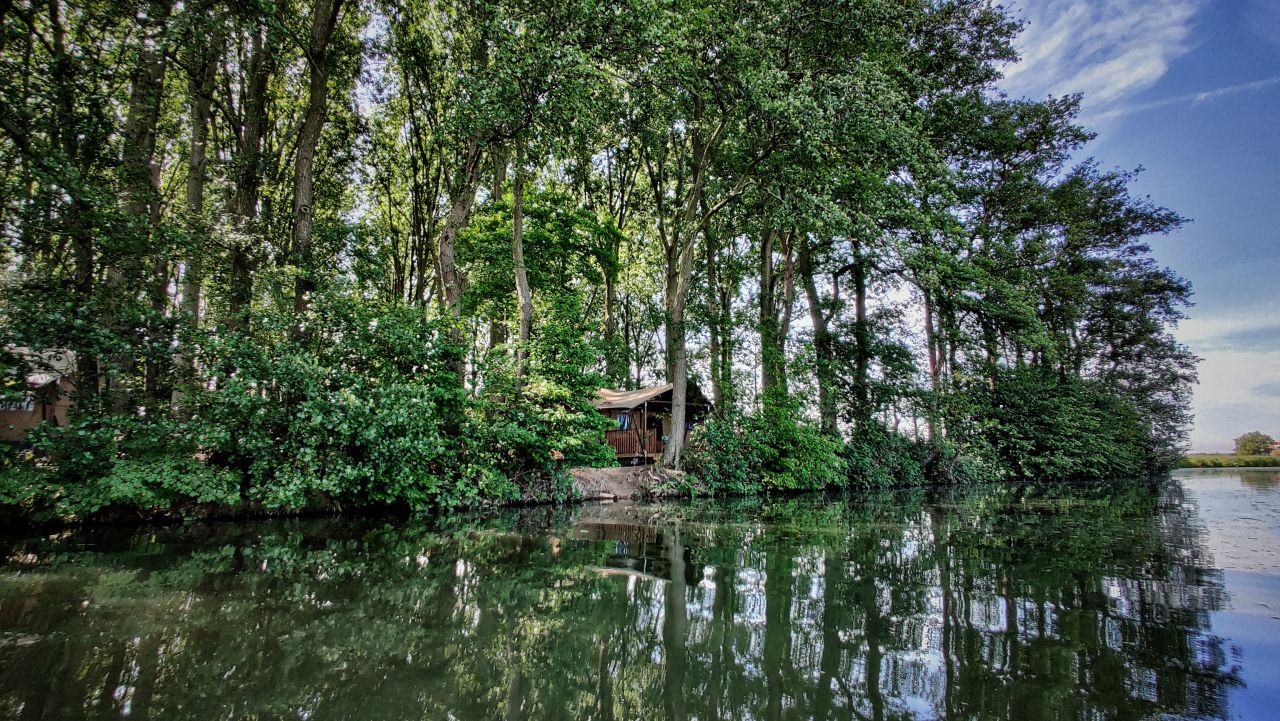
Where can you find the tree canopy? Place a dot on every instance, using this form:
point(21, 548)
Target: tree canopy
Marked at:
point(1254, 443)
point(350, 251)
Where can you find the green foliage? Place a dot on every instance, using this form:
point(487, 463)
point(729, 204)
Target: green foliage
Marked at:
point(1254, 443)
point(1228, 460)
point(362, 408)
point(1039, 426)
point(724, 456)
point(535, 440)
point(879, 458)
point(767, 451)
point(113, 465)
point(359, 407)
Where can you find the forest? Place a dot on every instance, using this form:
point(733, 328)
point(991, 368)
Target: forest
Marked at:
point(353, 253)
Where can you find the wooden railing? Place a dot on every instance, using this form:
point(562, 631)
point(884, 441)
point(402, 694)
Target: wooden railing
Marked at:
point(628, 443)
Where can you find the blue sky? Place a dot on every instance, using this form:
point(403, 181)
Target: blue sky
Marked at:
point(1189, 90)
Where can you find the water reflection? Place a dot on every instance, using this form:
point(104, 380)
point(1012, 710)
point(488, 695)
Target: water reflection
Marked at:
point(1008, 603)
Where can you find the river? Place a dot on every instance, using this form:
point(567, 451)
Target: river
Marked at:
point(1088, 601)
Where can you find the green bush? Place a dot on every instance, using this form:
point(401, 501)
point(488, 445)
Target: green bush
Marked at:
point(766, 451)
point(877, 457)
point(534, 441)
point(1034, 424)
point(724, 456)
point(112, 463)
point(359, 408)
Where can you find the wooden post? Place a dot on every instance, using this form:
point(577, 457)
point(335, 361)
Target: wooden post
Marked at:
point(644, 431)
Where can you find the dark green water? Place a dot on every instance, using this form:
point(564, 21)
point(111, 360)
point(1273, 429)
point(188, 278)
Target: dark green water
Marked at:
point(995, 603)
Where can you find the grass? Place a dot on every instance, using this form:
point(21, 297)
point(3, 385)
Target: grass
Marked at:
point(1228, 460)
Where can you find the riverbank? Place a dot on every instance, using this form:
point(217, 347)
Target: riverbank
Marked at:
point(1228, 460)
point(587, 484)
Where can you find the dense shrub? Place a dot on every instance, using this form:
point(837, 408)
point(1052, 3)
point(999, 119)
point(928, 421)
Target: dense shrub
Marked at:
point(112, 463)
point(358, 407)
point(724, 456)
point(1034, 424)
point(876, 457)
point(766, 451)
point(536, 440)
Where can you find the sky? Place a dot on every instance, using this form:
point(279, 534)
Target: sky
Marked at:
point(1190, 91)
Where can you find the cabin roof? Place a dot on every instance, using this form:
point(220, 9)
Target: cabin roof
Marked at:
point(609, 399)
point(659, 398)
point(42, 367)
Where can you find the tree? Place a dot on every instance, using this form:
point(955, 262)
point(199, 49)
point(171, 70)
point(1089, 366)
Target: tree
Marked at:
point(1254, 443)
point(316, 222)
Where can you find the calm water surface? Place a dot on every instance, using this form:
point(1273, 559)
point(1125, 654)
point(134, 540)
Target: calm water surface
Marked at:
point(1083, 602)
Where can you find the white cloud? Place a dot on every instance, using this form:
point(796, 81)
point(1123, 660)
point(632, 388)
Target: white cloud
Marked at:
point(1107, 49)
point(1241, 361)
point(1191, 99)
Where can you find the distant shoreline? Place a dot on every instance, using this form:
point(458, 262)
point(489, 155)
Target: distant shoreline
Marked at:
point(1227, 460)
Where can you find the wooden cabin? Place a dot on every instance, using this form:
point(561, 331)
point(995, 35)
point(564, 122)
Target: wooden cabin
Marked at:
point(46, 390)
point(644, 419)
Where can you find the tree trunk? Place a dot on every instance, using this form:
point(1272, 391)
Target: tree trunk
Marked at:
point(248, 182)
point(768, 318)
point(83, 249)
point(716, 324)
point(523, 291)
point(931, 347)
point(680, 245)
point(614, 366)
point(862, 336)
point(200, 89)
point(142, 176)
point(823, 344)
point(775, 317)
point(462, 200)
point(323, 19)
point(497, 324)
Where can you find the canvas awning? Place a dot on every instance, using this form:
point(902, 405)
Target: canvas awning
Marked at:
point(658, 399)
point(615, 400)
point(44, 367)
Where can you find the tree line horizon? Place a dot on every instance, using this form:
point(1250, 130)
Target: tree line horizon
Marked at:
point(309, 253)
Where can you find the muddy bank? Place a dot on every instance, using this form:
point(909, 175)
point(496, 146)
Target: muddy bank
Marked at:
point(635, 482)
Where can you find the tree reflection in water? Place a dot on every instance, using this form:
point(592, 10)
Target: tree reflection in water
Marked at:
point(991, 603)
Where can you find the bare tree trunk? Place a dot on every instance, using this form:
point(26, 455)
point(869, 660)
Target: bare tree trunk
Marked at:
point(248, 181)
point(615, 355)
point(323, 19)
point(679, 357)
point(497, 324)
point(862, 336)
point(200, 89)
point(775, 317)
point(823, 344)
point(142, 174)
point(462, 200)
point(717, 322)
point(931, 346)
point(684, 237)
point(523, 291)
point(768, 316)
